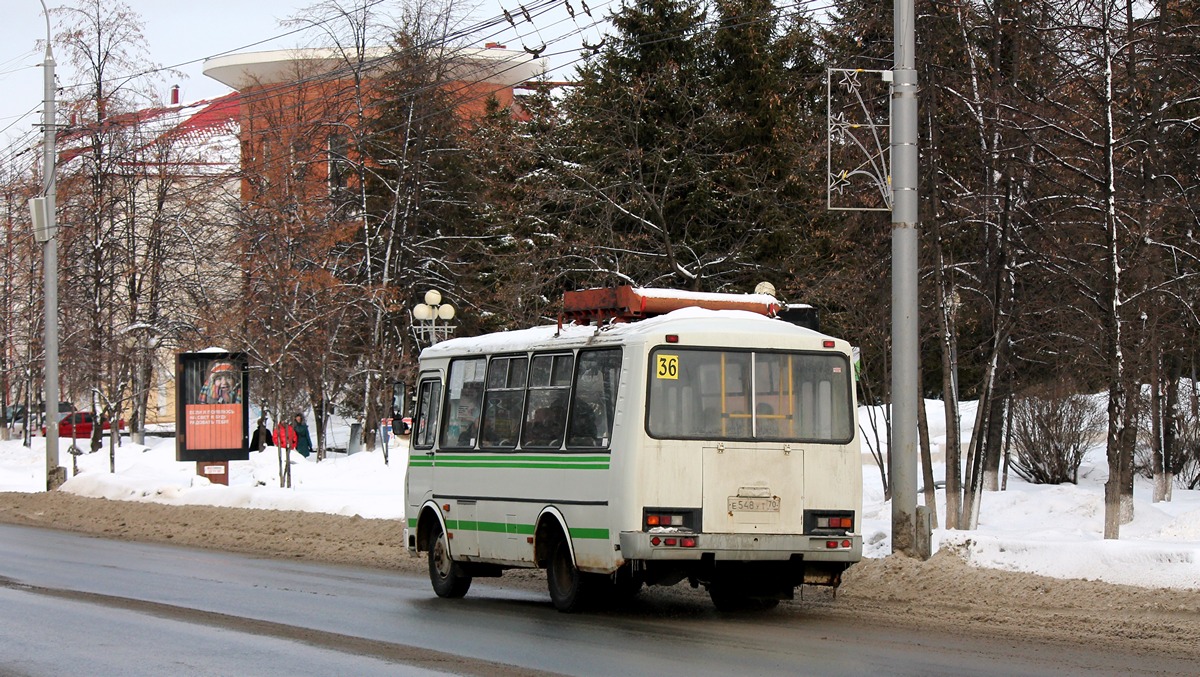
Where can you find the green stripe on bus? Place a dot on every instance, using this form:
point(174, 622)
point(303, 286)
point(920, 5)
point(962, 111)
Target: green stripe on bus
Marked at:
point(589, 533)
point(518, 529)
point(557, 458)
point(497, 464)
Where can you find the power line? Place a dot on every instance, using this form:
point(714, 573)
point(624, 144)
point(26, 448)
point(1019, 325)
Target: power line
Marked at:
point(267, 92)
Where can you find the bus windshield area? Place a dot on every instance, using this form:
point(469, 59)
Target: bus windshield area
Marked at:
point(716, 394)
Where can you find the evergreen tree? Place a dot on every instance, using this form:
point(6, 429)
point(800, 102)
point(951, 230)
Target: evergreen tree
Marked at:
point(420, 193)
point(682, 147)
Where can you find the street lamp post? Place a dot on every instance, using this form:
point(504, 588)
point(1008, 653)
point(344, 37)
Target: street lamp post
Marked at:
point(427, 314)
point(45, 232)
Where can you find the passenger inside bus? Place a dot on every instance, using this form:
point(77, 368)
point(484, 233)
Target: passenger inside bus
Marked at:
point(766, 423)
point(468, 424)
point(545, 430)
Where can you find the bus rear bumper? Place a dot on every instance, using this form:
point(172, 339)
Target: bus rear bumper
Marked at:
point(637, 545)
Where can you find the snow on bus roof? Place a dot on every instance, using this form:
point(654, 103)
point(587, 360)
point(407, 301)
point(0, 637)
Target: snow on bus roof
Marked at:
point(657, 293)
point(547, 335)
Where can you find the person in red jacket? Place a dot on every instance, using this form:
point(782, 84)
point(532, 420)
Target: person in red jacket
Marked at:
point(285, 435)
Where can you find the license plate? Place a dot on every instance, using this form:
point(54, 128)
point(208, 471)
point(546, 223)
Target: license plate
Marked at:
point(743, 504)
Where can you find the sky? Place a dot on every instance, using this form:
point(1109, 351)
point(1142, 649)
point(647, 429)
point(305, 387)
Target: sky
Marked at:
point(181, 33)
point(1049, 530)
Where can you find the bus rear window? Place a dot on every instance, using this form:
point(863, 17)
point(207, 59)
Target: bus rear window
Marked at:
point(749, 395)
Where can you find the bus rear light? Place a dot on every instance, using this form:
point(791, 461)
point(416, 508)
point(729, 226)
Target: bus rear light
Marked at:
point(664, 520)
point(831, 544)
point(670, 520)
point(674, 541)
point(672, 338)
point(835, 522)
point(828, 522)
point(846, 544)
point(827, 344)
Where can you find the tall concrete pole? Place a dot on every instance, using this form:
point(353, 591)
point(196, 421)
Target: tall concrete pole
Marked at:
point(903, 446)
point(50, 271)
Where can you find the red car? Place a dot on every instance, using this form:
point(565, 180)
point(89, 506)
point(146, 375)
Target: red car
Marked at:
point(79, 425)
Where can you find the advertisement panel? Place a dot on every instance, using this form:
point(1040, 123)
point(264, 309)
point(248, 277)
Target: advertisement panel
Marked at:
point(213, 423)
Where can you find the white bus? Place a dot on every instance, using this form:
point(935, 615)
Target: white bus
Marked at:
point(713, 446)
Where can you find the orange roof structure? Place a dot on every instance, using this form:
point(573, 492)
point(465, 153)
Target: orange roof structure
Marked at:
point(628, 304)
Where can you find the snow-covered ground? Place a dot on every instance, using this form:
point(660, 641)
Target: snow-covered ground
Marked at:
point(1050, 530)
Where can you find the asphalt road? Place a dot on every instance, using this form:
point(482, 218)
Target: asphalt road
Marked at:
point(72, 604)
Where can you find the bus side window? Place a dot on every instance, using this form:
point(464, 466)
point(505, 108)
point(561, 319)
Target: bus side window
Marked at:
point(546, 406)
point(464, 397)
point(429, 400)
point(502, 402)
point(594, 399)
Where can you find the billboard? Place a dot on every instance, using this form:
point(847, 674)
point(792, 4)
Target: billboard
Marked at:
point(212, 422)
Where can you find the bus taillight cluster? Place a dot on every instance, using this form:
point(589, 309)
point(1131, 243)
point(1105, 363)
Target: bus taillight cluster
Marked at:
point(835, 545)
point(674, 541)
point(835, 522)
point(664, 520)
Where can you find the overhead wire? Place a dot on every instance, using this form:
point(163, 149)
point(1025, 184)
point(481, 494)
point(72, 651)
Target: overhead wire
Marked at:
point(454, 91)
point(270, 91)
point(267, 92)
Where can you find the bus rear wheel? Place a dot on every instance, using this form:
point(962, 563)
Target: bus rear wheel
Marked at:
point(570, 588)
point(445, 574)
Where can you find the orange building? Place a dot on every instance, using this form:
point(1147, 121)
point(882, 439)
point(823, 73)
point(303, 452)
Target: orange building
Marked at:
point(301, 108)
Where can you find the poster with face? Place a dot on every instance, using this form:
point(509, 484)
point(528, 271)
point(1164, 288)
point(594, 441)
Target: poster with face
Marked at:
point(223, 385)
point(213, 424)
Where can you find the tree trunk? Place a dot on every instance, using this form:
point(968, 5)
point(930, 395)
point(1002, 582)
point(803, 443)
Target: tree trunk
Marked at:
point(1172, 421)
point(926, 458)
point(995, 437)
point(1008, 419)
point(970, 513)
point(1157, 427)
point(1128, 444)
point(1118, 397)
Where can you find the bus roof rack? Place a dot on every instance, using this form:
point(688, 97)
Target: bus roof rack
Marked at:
point(629, 304)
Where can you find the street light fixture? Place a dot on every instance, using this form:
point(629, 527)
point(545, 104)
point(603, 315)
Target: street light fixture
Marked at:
point(427, 314)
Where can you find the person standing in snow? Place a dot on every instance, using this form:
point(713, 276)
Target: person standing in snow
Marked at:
point(285, 436)
point(300, 434)
point(285, 441)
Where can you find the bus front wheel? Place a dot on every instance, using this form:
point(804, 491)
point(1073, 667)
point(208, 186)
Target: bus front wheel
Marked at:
point(445, 574)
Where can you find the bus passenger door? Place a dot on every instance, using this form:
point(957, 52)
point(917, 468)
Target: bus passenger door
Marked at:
point(418, 483)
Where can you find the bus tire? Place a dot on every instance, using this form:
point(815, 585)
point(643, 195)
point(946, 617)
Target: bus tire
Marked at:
point(568, 585)
point(445, 574)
